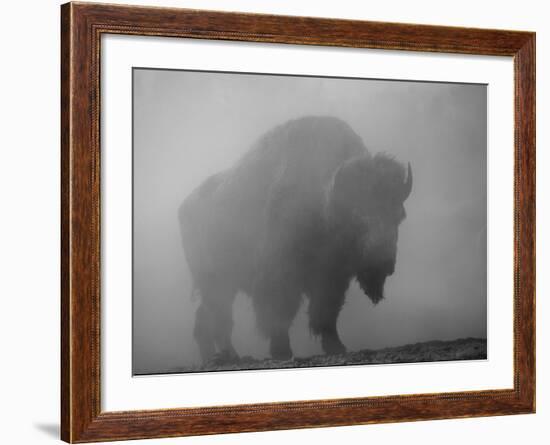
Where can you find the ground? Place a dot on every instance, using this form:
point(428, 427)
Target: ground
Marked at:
point(432, 351)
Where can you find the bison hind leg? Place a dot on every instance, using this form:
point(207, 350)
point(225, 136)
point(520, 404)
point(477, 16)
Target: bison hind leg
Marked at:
point(275, 312)
point(214, 325)
point(204, 332)
point(279, 345)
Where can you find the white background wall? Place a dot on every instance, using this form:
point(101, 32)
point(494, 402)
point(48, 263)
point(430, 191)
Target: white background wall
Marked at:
point(29, 230)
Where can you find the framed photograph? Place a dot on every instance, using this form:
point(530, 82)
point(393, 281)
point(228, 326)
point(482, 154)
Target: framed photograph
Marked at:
point(274, 222)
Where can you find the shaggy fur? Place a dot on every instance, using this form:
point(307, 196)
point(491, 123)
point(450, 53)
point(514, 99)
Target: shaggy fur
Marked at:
point(303, 212)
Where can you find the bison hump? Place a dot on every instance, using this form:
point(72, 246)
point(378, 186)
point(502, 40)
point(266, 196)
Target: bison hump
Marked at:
point(301, 153)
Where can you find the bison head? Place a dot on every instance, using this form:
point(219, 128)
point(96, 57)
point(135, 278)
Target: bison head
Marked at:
point(365, 208)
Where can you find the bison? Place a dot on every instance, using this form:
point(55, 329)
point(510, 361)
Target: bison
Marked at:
point(303, 212)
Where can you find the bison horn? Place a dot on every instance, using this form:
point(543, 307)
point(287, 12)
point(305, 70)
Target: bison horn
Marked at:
point(407, 186)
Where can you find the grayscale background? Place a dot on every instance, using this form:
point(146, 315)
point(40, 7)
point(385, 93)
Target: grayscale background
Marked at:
point(189, 125)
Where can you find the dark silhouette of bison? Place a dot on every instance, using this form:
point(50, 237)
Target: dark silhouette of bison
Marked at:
point(303, 212)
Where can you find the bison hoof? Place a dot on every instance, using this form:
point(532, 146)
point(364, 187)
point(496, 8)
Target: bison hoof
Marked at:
point(280, 348)
point(281, 355)
point(333, 346)
point(224, 358)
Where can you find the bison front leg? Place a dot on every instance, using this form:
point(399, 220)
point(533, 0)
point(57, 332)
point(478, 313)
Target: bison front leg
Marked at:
point(324, 308)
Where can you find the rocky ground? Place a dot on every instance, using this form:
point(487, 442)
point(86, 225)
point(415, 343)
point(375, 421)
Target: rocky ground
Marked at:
point(432, 351)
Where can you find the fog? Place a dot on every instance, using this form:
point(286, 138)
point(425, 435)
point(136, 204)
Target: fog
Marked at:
point(189, 125)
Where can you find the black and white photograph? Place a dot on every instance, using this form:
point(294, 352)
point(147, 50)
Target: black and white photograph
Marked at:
point(275, 222)
point(285, 221)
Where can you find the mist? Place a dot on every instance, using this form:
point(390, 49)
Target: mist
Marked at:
point(190, 125)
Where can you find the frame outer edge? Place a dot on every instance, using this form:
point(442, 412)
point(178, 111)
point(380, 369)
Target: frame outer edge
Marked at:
point(79, 230)
point(66, 47)
point(81, 416)
point(525, 61)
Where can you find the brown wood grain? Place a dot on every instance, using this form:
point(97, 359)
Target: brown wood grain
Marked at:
point(82, 25)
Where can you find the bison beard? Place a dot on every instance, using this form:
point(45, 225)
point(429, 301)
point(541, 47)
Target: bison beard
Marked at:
point(294, 216)
point(372, 283)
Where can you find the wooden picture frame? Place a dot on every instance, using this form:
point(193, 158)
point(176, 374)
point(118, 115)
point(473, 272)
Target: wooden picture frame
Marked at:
point(82, 25)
